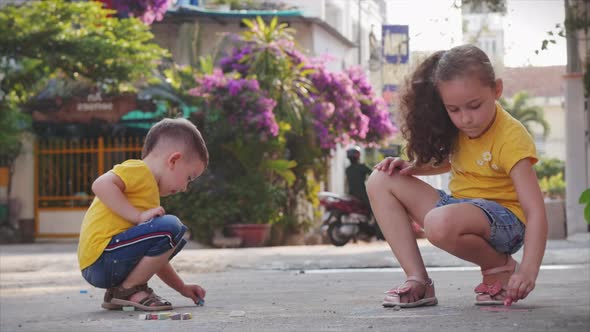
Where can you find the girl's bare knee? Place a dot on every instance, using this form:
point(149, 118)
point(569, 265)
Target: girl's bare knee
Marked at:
point(377, 181)
point(437, 227)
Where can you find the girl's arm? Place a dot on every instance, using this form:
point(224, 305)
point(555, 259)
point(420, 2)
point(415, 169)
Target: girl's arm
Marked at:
point(531, 199)
point(172, 279)
point(390, 164)
point(109, 188)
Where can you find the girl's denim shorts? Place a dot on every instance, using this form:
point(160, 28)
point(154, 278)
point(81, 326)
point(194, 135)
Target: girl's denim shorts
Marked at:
point(126, 249)
point(507, 231)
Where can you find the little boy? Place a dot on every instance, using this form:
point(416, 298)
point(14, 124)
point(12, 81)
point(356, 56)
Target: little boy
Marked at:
point(126, 237)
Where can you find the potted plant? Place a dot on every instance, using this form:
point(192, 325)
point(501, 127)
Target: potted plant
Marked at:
point(270, 117)
point(322, 108)
point(260, 205)
point(550, 174)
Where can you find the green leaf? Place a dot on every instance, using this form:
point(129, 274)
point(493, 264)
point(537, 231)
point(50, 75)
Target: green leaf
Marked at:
point(248, 23)
point(273, 23)
point(585, 197)
point(587, 213)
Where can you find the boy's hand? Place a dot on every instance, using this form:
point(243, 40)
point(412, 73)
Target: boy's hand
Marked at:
point(520, 285)
point(390, 164)
point(194, 292)
point(149, 214)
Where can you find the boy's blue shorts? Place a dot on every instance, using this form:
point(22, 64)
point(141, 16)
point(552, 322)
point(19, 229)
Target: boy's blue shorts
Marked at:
point(126, 249)
point(506, 230)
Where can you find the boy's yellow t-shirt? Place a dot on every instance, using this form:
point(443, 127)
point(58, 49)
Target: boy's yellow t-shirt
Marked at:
point(480, 167)
point(101, 224)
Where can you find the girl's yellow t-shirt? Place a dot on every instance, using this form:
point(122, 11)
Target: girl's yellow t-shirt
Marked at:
point(100, 224)
point(480, 167)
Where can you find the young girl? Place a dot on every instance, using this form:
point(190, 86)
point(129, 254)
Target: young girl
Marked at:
point(452, 122)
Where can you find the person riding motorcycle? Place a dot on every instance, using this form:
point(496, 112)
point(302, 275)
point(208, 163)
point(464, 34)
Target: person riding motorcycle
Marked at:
point(356, 175)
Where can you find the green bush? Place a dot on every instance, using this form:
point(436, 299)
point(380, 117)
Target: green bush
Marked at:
point(211, 203)
point(547, 167)
point(554, 185)
point(204, 207)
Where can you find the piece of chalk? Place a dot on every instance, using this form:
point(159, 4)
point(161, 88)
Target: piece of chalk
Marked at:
point(237, 313)
point(83, 291)
point(156, 316)
point(201, 302)
point(128, 308)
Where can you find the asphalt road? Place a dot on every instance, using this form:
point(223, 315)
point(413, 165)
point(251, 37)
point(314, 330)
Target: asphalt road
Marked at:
point(316, 288)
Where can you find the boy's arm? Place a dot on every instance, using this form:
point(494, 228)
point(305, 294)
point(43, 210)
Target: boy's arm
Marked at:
point(171, 278)
point(109, 188)
point(535, 239)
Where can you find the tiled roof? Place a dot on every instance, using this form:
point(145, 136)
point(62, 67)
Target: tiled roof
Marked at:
point(536, 81)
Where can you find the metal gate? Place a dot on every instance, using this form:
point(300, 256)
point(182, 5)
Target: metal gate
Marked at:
point(65, 170)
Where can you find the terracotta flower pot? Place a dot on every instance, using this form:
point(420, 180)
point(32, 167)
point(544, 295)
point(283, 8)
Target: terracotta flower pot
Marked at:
point(252, 235)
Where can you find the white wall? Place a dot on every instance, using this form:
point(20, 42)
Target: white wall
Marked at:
point(326, 45)
point(60, 222)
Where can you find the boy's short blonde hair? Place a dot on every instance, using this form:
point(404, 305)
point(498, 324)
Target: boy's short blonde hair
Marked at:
point(181, 130)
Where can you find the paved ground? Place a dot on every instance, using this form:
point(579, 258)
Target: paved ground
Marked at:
point(313, 288)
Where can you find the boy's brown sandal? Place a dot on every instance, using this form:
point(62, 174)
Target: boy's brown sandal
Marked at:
point(118, 297)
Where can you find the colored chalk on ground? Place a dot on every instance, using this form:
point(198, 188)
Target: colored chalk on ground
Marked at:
point(83, 291)
point(166, 315)
point(201, 302)
point(155, 316)
point(503, 309)
point(128, 308)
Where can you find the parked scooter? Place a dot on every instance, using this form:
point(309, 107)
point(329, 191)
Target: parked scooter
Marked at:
point(346, 218)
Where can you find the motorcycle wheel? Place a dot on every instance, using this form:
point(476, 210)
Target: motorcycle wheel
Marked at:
point(337, 238)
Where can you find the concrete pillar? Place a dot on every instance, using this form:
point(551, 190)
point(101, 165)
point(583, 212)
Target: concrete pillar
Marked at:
point(23, 178)
point(576, 166)
point(337, 172)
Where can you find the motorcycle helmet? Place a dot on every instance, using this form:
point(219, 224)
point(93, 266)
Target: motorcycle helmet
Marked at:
point(353, 152)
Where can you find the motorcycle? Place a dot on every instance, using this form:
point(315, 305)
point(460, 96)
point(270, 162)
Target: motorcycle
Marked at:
point(347, 218)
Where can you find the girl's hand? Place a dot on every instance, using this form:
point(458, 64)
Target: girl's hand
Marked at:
point(390, 164)
point(520, 285)
point(149, 214)
point(194, 292)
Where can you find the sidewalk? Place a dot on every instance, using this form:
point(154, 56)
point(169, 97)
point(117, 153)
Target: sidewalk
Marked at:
point(62, 256)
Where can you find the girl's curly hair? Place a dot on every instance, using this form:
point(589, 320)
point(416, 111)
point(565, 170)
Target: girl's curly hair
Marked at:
point(426, 125)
